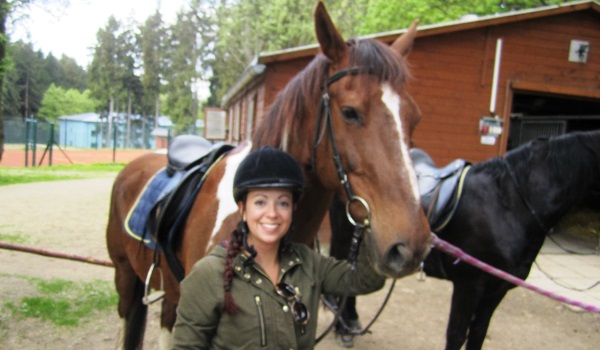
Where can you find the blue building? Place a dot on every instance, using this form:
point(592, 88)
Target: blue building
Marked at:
point(80, 130)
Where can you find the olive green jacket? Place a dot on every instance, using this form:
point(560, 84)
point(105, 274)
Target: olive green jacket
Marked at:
point(264, 320)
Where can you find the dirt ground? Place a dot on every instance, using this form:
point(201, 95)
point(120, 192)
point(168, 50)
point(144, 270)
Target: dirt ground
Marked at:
point(70, 217)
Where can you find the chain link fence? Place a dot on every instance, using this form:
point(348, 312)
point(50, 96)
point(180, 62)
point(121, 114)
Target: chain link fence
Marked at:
point(86, 135)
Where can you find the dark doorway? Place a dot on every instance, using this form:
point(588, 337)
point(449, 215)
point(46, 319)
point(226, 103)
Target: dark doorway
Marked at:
point(537, 115)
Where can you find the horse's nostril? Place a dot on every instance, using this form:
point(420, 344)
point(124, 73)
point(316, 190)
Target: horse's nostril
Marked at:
point(396, 257)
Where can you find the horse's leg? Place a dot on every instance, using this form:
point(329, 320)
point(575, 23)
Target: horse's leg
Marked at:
point(341, 231)
point(167, 321)
point(129, 287)
point(465, 297)
point(131, 309)
point(480, 323)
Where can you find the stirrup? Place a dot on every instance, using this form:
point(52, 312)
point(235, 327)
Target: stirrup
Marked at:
point(157, 295)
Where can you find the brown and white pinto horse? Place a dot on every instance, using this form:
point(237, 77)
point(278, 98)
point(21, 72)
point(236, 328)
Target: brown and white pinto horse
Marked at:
point(372, 116)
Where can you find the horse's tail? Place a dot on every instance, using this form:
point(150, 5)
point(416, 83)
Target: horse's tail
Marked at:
point(135, 323)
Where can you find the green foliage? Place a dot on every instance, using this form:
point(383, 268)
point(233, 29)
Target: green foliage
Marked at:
point(151, 41)
point(11, 176)
point(65, 303)
point(182, 58)
point(57, 102)
point(30, 74)
point(104, 71)
point(383, 15)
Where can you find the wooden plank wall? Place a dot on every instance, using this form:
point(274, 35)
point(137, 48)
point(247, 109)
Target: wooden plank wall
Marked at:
point(452, 77)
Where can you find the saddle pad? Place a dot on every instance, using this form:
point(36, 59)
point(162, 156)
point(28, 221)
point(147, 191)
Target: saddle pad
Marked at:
point(157, 187)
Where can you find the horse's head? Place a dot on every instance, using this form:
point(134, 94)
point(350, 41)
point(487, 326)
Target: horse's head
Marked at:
point(366, 118)
point(372, 119)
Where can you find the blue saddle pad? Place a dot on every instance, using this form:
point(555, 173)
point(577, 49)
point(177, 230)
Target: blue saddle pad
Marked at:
point(157, 187)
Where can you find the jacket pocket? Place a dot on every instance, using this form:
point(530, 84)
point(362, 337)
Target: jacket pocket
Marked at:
point(261, 320)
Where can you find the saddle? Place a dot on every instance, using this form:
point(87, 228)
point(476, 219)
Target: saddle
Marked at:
point(164, 205)
point(440, 188)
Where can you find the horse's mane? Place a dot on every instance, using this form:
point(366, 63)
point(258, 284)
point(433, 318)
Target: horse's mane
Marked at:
point(299, 99)
point(572, 157)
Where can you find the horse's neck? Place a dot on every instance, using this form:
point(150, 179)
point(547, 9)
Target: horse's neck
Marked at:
point(310, 213)
point(552, 194)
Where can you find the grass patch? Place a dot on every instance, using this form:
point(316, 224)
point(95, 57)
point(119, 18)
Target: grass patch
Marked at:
point(63, 302)
point(11, 176)
point(13, 238)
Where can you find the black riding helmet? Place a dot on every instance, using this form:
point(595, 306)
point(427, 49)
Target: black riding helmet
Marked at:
point(268, 167)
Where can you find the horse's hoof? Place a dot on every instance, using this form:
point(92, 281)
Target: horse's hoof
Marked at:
point(345, 340)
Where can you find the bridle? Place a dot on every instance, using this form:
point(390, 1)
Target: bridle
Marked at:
point(325, 124)
point(533, 212)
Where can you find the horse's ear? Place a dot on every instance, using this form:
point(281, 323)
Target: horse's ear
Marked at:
point(404, 43)
point(331, 41)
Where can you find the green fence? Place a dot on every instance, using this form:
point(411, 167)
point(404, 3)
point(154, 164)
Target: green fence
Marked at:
point(23, 132)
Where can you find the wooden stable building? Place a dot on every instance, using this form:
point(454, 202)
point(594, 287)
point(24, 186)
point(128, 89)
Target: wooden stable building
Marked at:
point(484, 84)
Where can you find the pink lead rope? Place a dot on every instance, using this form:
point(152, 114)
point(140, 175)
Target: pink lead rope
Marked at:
point(461, 255)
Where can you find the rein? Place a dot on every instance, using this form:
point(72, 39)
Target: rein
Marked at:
point(324, 124)
point(513, 178)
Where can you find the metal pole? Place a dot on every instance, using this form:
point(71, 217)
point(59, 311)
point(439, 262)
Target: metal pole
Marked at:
point(26, 142)
point(50, 144)
point(34, 147)
point(114, 141)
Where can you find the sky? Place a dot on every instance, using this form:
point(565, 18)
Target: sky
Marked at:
point(72, 30)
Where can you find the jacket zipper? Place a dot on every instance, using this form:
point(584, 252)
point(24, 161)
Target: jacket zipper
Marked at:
point(261, 321)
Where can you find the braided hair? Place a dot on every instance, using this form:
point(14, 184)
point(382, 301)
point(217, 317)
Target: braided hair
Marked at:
point(236, 244)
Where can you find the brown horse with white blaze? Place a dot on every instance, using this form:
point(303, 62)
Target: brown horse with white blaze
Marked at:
point(365, 122)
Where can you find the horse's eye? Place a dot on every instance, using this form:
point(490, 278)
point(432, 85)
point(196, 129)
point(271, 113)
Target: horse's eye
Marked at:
point(351, 115)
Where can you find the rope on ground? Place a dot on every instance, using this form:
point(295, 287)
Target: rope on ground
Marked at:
point(44, 252)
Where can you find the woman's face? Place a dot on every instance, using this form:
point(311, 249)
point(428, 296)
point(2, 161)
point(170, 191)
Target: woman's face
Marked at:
point(268, 213)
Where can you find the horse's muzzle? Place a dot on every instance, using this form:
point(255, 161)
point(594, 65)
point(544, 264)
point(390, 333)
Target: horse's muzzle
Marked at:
point(400, 260)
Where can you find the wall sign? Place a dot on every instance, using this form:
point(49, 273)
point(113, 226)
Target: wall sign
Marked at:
point(216, 124)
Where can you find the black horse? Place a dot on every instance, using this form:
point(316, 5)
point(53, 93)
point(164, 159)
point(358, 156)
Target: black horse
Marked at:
point(508, 206)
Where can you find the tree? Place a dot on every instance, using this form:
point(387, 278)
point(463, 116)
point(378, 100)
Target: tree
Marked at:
point(53, 104)
point(385, 15)
point(60, 102)
point(73, 76)
point(151, 40)
point(128, 59)
point(182, 72)
point(104, 72)
point(30, 83)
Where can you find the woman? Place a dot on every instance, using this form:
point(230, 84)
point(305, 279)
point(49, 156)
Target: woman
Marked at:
point(259, 290)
